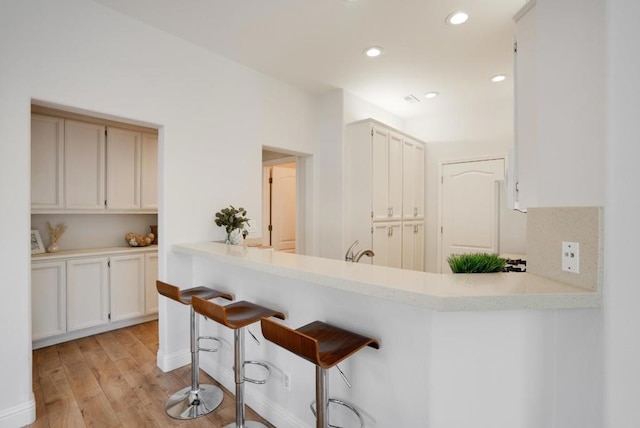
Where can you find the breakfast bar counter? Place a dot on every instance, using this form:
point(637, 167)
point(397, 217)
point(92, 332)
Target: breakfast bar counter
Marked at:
point(459, 350)
point(441, 292)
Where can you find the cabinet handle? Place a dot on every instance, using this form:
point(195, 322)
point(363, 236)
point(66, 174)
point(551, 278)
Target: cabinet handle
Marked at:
point(415, 211)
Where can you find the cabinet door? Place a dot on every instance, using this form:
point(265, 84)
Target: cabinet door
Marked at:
point(395, 176)
point(149, 172)
point(123, 169)
point(84, 166)
point(47, 162)
point(412, 179)
point(380, 174)
point(48, 299)
point(387, 244)
point(87, 293)
point(126, 282)
point(413, 246)
point(150, 277)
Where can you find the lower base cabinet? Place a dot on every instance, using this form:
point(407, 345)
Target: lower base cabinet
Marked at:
point(413, 245)
point(78, 293)
point(48, 299)
point(387, 244)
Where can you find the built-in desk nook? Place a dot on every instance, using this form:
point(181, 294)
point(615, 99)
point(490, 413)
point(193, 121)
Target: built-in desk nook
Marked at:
point(483, 350)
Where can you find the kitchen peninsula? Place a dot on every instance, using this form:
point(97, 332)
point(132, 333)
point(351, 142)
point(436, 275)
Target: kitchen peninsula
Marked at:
point(480, 350)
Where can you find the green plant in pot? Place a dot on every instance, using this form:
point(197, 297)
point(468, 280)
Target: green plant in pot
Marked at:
point(234, 220)
point(476, 263)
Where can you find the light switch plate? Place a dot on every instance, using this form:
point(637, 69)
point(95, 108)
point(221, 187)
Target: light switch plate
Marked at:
point(571, 257)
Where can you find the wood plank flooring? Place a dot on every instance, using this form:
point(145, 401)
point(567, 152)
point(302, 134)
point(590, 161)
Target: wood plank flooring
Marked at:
point(111, 380)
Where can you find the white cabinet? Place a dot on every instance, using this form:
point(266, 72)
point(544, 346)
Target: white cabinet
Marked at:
point(524, 186)
point(413, 245)
point(84, 166)
point(79, 295)
point(386, 174)
point(87, 293)
point(123, 169)
point(127, 286)
point(47, 162)
point(384, 187)
point(150, 277)
point(149, 172)
point(413, 179)
point(87, 167)
point(48, 299)
point(387, 244)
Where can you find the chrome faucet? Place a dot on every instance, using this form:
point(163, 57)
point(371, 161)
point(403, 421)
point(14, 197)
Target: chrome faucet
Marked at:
point(361, 253)
point(350, 257)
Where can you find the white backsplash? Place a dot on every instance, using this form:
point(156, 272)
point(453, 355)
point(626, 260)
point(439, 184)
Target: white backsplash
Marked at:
point(547, 228)
point(93, 230)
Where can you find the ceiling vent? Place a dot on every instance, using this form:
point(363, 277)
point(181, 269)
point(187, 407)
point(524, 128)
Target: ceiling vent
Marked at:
point(411, 99)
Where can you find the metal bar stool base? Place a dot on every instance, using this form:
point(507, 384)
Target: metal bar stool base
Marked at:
point(186, 404)
point(247, 424)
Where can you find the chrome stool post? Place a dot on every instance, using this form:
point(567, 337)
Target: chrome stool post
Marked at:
point(238, 316)
point(198, 399)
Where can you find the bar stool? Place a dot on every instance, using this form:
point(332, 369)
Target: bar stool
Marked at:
point(198, 399)
point(325, 346)
point(237, 316)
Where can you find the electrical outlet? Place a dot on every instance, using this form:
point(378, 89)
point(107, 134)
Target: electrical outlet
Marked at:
point(286, 381)
point(571, 257)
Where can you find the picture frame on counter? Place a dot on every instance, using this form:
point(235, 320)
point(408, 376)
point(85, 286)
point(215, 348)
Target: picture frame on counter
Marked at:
point(37, 247)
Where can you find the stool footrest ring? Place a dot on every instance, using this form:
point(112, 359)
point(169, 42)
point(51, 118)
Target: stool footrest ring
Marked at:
point(264, 366)
point(340, 403)
point(215, 339)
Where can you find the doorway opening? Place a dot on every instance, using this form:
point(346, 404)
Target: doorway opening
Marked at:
point(280, 201)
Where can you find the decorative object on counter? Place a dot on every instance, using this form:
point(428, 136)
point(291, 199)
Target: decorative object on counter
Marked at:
point(476, 263)
point(139, 240)
point(154, 230)
point(234, 221)
point(37, 247)
point(55, 232)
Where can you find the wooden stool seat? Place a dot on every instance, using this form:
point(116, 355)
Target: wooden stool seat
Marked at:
point(320, 343)
point(198, 399)
point(185, 296)
point(235, 315)
point(325, 346)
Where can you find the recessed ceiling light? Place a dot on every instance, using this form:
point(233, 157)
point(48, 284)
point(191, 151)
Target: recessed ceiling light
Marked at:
point(373, 51)
point(430, 95)
point(498, 78)
point(457, 18)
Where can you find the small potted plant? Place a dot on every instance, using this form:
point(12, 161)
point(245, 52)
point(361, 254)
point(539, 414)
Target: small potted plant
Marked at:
point(476, 263)
point(234, 220)
point(55, 232)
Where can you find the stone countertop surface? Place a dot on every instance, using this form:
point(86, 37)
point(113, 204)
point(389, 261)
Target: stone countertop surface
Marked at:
point(91, 252)
point(441, 292)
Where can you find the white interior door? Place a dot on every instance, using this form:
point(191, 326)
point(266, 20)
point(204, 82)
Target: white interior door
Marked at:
point(283, 207)
point(470, 208)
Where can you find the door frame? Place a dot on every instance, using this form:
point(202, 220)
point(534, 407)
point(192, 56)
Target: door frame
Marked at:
point(266, 165)
point(441, 164)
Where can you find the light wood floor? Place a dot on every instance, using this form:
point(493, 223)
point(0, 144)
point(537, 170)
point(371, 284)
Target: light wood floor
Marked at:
point(111, 380)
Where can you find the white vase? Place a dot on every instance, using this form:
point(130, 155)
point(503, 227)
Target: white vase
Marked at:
point(235, 237)
point(53, 248)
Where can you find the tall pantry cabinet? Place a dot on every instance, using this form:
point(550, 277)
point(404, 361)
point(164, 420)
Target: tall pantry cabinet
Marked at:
point(384, 194)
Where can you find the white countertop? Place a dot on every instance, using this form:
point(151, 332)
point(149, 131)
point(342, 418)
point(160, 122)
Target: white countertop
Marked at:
point(442, 292)
point(91, 252)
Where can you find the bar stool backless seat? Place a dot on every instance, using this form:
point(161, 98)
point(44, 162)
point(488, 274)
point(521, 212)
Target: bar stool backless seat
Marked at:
point(325, 346)
point(198, 399)
point(237, 316)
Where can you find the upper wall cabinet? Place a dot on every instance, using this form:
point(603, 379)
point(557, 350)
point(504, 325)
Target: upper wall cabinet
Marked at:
point(87, 167)
point(413, 179)
point(47, 162)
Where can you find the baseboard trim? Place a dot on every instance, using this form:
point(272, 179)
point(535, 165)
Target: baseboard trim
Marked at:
point(169, 362)
point(20, 415)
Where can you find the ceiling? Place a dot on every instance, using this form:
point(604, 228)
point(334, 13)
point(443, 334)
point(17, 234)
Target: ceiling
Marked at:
point(317, 45)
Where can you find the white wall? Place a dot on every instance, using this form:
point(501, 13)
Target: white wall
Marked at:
point(622, 292)
point(214, 116)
